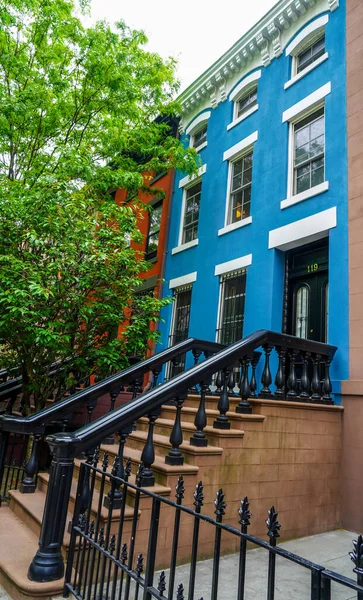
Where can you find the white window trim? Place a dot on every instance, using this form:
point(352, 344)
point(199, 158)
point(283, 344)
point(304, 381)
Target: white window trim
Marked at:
point(183, 280)
point(235, 150)
point(186, 246)
point(199, 148)
point(308, 69)
point(302, 38)
point(309, 102)
point(233, 265)
point(312, 192)
point(243, 117)
point(240, 88)
point(297, 115)
point(199, 120)
point(233, 154)
point(303, 231)
point(233, 226)
point(191, 179)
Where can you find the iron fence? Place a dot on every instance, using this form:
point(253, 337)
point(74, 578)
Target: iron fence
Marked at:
point(106, 562)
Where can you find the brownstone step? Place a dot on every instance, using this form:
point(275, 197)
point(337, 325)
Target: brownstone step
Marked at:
point(237, 420)
point(17, 549)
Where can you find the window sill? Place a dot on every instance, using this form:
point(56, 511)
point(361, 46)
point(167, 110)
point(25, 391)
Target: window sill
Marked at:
point(199, 148)
point(234, 226)
point(314, 191)
point(186, 246)
point(306, 71)
point(242, 117)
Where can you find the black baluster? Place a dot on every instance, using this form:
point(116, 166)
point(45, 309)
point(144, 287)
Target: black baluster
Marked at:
point(117, 496)
point(90, 406)
point(223, 404)
point(244, 406)
point(292, 380)
point(327, 386)
point(220, 507)
point(315, 382)
point(179, 495)
point(219, 383)
point(244, 520)
point(161, 583)
point(280, 373)
point(31, 468)
point(198, 503)
point(138, 479)
point(152, 546)
point(110, 440)
point(196, 354)
point(119, 548)
point(305, 381)
point(273, 527)
point(111, 551)
point(4, 441)
point(156, 372)
point(356, 557)
point(253, 383)
point(174, 456)
point(199, 438)
point(148, 455)
point(266, 378)
point(231, 382)
point(138, 570)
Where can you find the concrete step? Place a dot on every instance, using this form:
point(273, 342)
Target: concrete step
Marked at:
point(17, 549)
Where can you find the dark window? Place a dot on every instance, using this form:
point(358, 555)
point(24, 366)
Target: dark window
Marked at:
point(180, 329)
point(246, 102)
point(232, 307)
point(152, 239)
point(200, 137)
point(240, 198)
point(191, 214)
point(311, 54)
point(309, 159)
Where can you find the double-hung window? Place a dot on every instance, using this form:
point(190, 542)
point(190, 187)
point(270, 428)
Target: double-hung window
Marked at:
point(311, 54)
point(152, 240)
point(191, 213)
point(309, 152)
point(232, 307)
point(246, 102)
point(200, 137)
point(240, 190)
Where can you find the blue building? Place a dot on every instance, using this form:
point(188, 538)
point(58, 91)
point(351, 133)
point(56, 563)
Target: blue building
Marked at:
point(259, 239)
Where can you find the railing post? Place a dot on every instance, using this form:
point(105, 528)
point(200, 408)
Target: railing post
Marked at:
point(199, 438)
point(315, 382)
point(244, 406)
point(148, 454)
point(280, 374)
point(266, 378)
point(305, 381)
point(327, 387)
point(47, 564)
point(291, 380)
point(221, 421)
point(174, 456)
point(4, 440)
point(31, 468)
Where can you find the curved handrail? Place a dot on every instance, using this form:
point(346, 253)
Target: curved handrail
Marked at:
point(96, 431)
point(36, 422)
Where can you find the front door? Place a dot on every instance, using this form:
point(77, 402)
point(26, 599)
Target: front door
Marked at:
point(308, 292)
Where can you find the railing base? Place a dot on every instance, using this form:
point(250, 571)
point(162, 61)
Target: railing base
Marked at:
point(200, 442)
point(46, 567)
point(221, 425)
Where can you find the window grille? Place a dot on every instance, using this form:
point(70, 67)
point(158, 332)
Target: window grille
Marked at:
point(180, 328)
point(232, 306)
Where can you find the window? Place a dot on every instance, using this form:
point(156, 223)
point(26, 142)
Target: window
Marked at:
point(200, 137)
point(152, 239)
point(232, 307)
point(302, 312)
point(191, 213)
point(246, 102)
point(309, 155)
point(310, 55)
point(180, 326)
point(240, 192)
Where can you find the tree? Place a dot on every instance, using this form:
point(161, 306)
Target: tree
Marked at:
point(78, 110)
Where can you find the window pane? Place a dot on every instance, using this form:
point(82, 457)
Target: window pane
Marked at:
point(302, 312)
point(241, 189)
point(302, 154)
point(237, 182)
point(155, 218)
point(309, 172)
point(303, 179)
point(200, 137)
point(317, 175)
point(191, 216)
point(249, 100)
point(302, 137)
point(247, 176)
point(237, 207)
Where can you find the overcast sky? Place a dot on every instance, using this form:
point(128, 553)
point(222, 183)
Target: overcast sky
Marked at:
point(195, 32)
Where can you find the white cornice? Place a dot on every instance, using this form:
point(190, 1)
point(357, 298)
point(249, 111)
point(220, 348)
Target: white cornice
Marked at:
point(263, 43)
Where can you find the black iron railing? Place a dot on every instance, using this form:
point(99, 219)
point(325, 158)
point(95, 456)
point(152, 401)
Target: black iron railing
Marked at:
point(220, 366)
point(107, 563)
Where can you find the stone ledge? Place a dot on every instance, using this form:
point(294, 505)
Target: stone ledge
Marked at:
point(297, 404)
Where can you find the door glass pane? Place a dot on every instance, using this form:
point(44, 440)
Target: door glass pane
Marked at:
point(302, 312)
point(326, 316)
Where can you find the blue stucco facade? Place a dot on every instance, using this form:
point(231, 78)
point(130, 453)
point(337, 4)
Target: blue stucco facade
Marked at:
point(265, 276)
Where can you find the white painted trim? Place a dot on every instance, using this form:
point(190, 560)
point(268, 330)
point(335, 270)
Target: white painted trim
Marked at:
point(308, 102)
point(233, 265)
point(183, 280)
point(243, 117)
point(293, 47)
point(219, 310)
point(233, 226)
point(314, 191)
point(186, 246)
point(244, 83)
point(202, 118)
point(299, 232)
point(306, 71)
point(242, 145)
point(191, 179)
point(199, 148)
